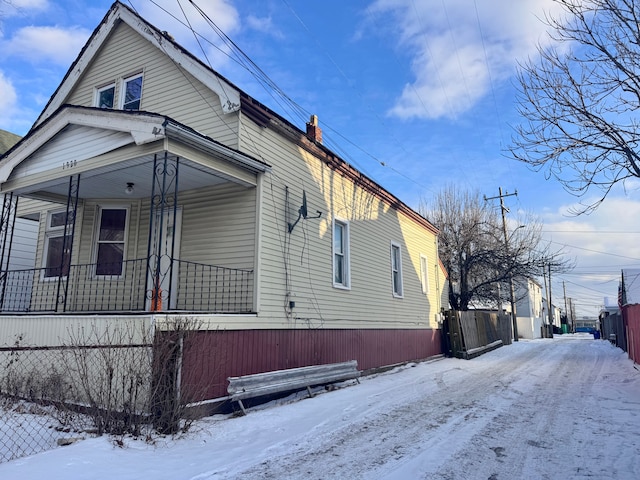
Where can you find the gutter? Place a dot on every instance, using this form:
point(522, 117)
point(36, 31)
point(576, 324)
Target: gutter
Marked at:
point(211, 146)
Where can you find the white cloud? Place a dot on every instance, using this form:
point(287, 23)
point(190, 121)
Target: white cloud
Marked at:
point(8, 96)
point(19, 7)
point(457, 50)
point(602, 243)
point(47, 44)
point(264, 25)
point(13, 119)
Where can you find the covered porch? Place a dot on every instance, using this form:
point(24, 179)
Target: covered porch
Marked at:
point(137, 213)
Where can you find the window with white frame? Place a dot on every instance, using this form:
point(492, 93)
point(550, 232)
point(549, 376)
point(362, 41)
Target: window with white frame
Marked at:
point(132, 92)
point(110, 241)
point(424, 273)
point(105, 96)
point(56, 246)
point(341, 274)
point(396, 270)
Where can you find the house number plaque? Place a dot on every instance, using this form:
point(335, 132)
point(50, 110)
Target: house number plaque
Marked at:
point(69, 164)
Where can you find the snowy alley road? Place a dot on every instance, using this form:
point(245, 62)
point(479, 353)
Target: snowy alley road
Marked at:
point(554, 409)
point(567, 408)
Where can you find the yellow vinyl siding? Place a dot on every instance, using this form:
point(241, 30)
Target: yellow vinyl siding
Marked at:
point(306, 254)
point(218, 226)
point(167, 89)
point(28, 207)
point(218, 229)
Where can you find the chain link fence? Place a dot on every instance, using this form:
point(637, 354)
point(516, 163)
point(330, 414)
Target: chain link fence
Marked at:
point(51, 396)
point(118, 380)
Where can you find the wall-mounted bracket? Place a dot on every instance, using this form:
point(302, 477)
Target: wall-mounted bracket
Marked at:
point(303, 213)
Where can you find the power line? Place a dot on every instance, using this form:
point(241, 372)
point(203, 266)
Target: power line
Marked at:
point(594, 251)
point(598, 232)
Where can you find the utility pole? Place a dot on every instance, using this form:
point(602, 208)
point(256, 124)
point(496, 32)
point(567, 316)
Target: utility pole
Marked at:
point(547, 288)
point(504, 209)
point(572, 324)
point(550, 303)
point(564, 289)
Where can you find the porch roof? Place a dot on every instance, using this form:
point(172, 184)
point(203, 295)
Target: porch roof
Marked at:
point(111, 148)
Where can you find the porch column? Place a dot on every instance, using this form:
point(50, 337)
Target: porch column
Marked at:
point(67, 242)
point(7, 224)
point(161, 241)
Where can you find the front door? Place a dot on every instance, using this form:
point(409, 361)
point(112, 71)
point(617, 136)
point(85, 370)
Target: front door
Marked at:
point(164, 260)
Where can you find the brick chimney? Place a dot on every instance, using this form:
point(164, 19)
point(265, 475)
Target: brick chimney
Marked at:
point(314, 132)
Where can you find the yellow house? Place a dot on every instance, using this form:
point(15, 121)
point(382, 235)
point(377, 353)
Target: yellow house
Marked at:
point(161, 190)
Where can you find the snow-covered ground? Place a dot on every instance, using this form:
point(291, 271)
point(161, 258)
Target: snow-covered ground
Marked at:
point(567, 408)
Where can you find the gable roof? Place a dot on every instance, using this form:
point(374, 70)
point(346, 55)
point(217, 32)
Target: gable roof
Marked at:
point(231, 98)
point(229, 95)
point(140, 128)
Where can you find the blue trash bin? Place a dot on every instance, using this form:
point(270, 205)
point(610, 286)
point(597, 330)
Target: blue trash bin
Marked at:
point(596, 334)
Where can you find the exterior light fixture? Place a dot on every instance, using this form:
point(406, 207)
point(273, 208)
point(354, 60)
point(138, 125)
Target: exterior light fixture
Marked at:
point(129, 189)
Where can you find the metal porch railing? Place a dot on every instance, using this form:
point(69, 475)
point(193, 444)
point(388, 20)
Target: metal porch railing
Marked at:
point(195, 287)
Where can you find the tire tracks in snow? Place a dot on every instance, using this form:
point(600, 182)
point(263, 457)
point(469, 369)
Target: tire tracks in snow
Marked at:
point(388, 433)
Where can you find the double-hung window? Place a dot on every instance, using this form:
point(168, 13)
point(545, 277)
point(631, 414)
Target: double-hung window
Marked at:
point(105, 96)
point(57, 247)
point(341, 274)
point(110, 241)
point(128, 98)
point(132, 93)
point(396, 270)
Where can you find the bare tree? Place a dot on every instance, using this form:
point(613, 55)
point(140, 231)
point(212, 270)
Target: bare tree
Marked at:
point(579, 100)
point(472, 249)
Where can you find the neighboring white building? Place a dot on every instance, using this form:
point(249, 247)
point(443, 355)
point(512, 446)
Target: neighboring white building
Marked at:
point(529, 312)
point(556, 314)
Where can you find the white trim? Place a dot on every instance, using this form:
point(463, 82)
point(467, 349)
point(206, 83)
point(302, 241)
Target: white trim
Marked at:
point(229, 96)
point(123, 91)
point(346, 254)
point(99, 90)
point(397, 292)
point(96, 237)
point(49, 233)
point(144, 128)
point(257, 262)
point(424, 273)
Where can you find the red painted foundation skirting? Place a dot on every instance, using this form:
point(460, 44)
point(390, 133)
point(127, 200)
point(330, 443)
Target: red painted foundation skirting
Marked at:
point(210, 357)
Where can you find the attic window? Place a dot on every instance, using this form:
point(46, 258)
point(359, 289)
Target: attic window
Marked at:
point(105, 96)
point(132, 93)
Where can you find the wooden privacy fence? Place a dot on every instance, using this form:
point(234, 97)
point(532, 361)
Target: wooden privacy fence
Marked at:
point(474, 332)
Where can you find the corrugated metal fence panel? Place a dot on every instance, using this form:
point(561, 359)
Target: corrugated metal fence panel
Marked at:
point(614, 325)
point(212, 356)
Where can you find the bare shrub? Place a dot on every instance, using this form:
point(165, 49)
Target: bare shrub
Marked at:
point(111, 371)
point(120, 379)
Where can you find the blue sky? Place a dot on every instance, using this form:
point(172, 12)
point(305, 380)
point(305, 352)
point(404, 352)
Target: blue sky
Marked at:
point(416, 94)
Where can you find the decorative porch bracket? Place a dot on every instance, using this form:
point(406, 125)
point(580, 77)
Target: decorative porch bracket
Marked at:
point(7, 225)
point(162, 222)
point(67, 242)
